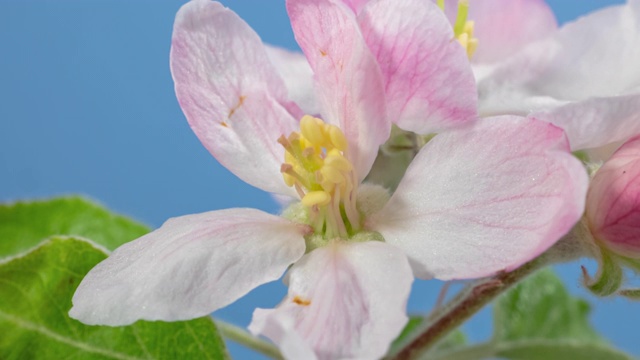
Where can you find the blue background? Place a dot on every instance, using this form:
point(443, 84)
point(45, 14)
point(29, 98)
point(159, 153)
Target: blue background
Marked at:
point(87, 106)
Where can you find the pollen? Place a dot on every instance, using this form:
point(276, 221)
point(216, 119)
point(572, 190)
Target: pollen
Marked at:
point(317, 166)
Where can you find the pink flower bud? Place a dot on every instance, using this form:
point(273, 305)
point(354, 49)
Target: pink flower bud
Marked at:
point(613, 201)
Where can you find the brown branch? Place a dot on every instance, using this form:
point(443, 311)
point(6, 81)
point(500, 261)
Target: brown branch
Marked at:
point(463, 307)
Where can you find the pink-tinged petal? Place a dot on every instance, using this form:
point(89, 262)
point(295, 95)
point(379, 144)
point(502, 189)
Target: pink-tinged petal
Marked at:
point(189, 267)
point(298, 77)
point(345, 301)
point(613, 201)
point(585, 79)
point(356, 5)
point(598, 121)
point(428, 79)
point(505, 27)
point(230, 92)
point(475, 202)
point(349, 82)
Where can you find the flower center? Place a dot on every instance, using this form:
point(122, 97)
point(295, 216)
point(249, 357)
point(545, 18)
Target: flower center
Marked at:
point(315, 165)
point(463, 28)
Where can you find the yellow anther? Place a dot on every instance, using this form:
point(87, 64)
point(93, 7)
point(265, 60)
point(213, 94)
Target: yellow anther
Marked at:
point(311, 129)
point(337, 137)
point(463, 39)
point(463, 29)
point(316, 167)
point(338, 161)
point(471, 47)
point(319, 198)
point(468, 28)
point(332, 174)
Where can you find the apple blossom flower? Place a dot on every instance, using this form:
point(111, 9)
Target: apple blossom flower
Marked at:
point(478, 199)
point(582, 77)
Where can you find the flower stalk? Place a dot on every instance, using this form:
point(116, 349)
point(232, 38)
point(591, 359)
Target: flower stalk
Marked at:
point(468, 302)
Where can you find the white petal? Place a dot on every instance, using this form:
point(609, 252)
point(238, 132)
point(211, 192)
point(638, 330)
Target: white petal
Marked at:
point(298, 77)
point(231, 94)
point(585, 79)
point(473, 203)
point(345, 301)
point(428, 80)
point(596, 122)
point(189, 267)
point(348, 78)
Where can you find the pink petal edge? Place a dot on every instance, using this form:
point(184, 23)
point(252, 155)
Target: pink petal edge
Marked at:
point(613, 201)
point(348, 79)
point(230, 93)
point(475, 202)
point(429, 84)
point(188, 268)
point(345, 301)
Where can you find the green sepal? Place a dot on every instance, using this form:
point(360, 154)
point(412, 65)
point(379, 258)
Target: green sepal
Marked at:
point(633, 264)
point(582, 156)
point(36, 292)
point(609, 277)
point(631, 294)
point(394, 158)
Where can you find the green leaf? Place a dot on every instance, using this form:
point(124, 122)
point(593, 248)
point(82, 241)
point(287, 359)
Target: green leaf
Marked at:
point(413, 324)
point(541, 307)
point(539, 319)
point(454, 340)
point(23, 225)
point(560, 349)
point(36, 291)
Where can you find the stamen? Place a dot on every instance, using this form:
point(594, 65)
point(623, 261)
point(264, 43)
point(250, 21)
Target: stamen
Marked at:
point(332, 174)
point(338, 161)
point(463, 29)
point(319, 198)
point(312, 130)
point(461, 18)
point(287, 169)
point(337, 138)
point(315, 164)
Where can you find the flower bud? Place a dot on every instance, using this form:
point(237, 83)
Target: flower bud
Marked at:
point(613, 202)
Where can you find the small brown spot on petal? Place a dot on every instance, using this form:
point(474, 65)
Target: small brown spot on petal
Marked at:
point(300, 301)
point(240, 102)
point(323, 53)
point(224, 124)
